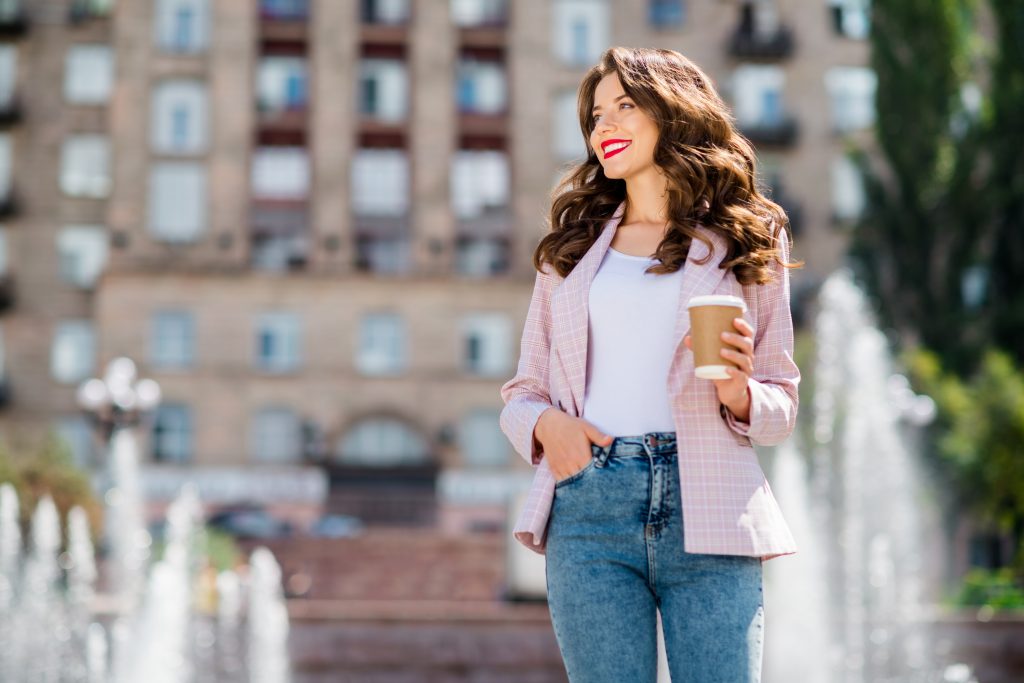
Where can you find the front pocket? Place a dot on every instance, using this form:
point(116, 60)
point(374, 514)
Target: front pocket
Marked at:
point(577, 475)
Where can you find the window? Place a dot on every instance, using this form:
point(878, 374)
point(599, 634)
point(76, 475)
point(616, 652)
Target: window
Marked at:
point(380, 182)
point(468, 13)
point(85, 166)
point(278, 342)
point(568, 143)
point(88, 74)
point(381, 344)
point(757, 95)
point(182, 25)
point(382, 442)
point(282, 83)
point(666, 13)
point(383, 89)
point(481, 86)
point(580, 30)
point(280, 173)
point(82, 254)
point(385, 11)
point(481, 440)
point(481, 256)
point(73, 354)
point(179, 117)
point(276, 436)
point(177, 201)
point(851, 18)
point(8, 74)
point(480, 182)
point(172, 339)
point(847, 189)
point(172, 433)
point(285, 9)
point(852, 92)
point(77, 434)
point(486, 339)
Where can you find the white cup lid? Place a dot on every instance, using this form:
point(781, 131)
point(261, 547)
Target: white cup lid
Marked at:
point(717, 300)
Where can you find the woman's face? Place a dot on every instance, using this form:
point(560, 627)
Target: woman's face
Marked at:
point(624, 137)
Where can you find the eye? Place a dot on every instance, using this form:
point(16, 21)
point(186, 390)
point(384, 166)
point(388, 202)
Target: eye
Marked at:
point(625, 104)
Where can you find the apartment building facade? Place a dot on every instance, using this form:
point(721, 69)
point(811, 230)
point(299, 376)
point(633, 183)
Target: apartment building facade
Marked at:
point(312, 221)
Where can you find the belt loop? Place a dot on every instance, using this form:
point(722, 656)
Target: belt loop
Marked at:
point(604, 452)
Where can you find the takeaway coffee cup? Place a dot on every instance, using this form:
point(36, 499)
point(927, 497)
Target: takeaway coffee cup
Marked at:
point(710, 316)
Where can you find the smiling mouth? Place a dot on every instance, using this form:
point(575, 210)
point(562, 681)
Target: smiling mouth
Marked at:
point(613, 147)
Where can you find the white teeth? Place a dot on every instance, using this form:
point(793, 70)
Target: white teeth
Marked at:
point(615, 146)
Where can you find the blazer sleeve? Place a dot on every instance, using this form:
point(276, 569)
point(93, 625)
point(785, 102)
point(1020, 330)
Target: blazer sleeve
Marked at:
point(526, 395)
point(774, 397)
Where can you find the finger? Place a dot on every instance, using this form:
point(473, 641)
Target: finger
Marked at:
point(740, 341)
point(742, 359)
point(743, 326)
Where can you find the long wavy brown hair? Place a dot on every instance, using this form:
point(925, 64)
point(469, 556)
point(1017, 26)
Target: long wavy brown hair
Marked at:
point(711, 170)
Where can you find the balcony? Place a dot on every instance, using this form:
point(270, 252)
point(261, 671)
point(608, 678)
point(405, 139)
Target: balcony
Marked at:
point(746, 43)
point(782, 132)
point(477, 256)
point(13, 21)
point(383, 40)
point(280, 234)
point(383, 245)
point(284, 25)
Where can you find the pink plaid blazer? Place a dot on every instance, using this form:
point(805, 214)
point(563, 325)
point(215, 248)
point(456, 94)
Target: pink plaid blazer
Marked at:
point(728, 506)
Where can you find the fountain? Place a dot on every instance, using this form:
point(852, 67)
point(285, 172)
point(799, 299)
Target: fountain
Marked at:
point(154, 622)
point(855, 602)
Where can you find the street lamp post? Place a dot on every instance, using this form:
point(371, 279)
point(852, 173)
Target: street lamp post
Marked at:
point(117, 404)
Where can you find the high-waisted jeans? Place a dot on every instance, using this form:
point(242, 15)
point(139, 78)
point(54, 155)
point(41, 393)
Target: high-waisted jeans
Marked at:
point(615, 555)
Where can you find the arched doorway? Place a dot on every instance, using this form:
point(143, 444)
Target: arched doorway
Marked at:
point(382, 470)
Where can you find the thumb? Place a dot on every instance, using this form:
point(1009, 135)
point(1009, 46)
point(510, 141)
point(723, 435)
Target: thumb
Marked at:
point(597, 436)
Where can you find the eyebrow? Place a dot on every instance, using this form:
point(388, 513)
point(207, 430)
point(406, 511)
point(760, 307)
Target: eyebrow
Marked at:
point(597, 106)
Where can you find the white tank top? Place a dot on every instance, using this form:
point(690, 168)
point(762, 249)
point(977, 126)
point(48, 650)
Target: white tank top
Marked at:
point(630, 346)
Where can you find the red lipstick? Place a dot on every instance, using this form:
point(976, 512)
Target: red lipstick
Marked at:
point(607, 143)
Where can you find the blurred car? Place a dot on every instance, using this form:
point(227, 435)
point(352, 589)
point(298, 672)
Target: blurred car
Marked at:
point(250, 522)
point(337, 526)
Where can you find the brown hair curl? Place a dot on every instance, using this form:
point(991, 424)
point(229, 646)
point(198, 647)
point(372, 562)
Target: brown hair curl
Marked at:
point(711, 170)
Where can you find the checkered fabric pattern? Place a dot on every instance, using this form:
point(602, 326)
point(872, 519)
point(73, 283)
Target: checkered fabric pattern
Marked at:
point(728, 505)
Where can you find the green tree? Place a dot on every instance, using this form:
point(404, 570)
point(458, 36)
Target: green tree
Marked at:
point(978, 437)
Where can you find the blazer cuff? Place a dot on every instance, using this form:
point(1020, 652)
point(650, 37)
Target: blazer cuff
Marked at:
point(532, 411)
point(739, 426)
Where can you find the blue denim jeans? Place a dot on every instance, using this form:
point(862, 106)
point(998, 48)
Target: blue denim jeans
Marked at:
point(615, 555)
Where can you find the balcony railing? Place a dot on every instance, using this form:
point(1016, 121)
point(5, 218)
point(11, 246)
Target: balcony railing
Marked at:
point(749, 44)
point(782, 132)
point(481, 256)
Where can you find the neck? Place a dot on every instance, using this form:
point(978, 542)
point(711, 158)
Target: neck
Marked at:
point(647, 198)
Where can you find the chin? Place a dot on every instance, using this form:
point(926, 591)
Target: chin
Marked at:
point(612, 174)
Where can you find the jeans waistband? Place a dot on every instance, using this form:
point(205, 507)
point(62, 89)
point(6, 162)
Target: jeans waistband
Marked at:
point(653, 443)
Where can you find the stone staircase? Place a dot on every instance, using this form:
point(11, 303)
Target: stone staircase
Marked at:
point(411, 605)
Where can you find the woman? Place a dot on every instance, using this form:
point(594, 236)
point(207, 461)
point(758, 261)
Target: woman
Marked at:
point(648, 494)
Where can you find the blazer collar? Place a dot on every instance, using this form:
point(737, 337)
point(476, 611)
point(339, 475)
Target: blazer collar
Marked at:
point(571, 299)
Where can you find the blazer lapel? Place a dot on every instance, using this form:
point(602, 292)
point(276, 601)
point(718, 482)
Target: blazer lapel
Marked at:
point(570, 301)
